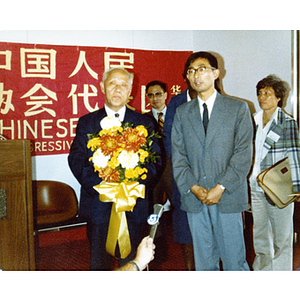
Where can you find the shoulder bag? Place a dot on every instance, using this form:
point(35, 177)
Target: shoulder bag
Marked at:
point(277, 183)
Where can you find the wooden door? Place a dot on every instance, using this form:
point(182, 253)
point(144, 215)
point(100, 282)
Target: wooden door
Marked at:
point(16, 212)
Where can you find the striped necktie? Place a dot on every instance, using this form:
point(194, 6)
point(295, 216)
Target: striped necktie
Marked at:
point(160, 120)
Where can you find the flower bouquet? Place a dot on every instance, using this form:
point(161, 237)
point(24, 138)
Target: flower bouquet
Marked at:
point(120, 155)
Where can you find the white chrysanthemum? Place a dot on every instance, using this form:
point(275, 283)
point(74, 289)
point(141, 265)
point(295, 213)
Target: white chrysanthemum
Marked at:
point(128, 160)
point(99, 159)
point(110, 122)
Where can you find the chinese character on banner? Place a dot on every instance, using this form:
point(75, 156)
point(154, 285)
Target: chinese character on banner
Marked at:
point(176, 89)
point(82, 61)
point(144, 107)
point(38, 101)
point(118, 59)
point(7, 59)
point(38, 63)
point(85, 96)
point(5, 105)
point(45, 89)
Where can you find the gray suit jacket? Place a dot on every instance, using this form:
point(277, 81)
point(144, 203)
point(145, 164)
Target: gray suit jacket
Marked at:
point(223, 156)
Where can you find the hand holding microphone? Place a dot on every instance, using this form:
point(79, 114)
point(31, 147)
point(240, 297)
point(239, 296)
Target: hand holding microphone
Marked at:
point(153, 219)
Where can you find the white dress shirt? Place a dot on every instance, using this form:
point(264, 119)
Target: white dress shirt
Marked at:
point(188, 96)
point(156, 112)
point(260, 150)
point(111, 113)
point(209, 102)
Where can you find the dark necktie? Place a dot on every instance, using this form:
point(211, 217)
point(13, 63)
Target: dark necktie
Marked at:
point(205, 117)
point(160, 120)
point(116, 115)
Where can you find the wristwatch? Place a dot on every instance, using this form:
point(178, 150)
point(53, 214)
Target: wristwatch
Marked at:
point(222, 186)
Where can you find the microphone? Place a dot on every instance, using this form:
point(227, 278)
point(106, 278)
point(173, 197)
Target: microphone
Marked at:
point(153, 219)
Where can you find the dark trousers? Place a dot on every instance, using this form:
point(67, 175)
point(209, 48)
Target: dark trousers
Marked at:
point(97, 234)
point(164, 185)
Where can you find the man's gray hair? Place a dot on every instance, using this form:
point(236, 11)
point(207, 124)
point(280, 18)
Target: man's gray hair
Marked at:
point(105, 74)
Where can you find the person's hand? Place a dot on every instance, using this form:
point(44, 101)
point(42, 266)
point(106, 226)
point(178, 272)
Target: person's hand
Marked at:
point(145, 252)
point(200, 192)
point(297, 197)
point(214, 195)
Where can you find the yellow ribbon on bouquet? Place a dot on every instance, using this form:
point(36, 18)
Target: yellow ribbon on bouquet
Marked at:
point(123, 195)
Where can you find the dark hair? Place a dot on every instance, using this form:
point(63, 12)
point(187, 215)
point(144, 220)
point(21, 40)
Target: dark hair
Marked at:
point(156, 82)
point(202, 54)
point(280, 87)
point(211, 59)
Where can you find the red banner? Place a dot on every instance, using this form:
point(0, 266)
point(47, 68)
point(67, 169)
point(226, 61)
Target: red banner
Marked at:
point(44, 89)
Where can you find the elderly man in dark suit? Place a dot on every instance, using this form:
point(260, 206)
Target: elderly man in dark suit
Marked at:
point(211, 156)
point(116, 86)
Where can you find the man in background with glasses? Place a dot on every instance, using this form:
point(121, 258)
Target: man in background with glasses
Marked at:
point(211, 158)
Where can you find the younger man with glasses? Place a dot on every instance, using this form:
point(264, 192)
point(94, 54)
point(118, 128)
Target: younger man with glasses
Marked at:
point(211, 158)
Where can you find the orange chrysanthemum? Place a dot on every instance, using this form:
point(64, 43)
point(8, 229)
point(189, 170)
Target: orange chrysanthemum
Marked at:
point(108, 174)
point(133, 139)
point(108, 144)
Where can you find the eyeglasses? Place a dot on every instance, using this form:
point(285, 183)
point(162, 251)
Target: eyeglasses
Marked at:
point(201, 70)
point(157, 95)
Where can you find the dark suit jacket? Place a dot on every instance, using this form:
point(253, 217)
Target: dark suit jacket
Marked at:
point(161, 143)
point(91, 208)
point(164, 179)
point(175, 101)
point(181, 230)
point(157, 127)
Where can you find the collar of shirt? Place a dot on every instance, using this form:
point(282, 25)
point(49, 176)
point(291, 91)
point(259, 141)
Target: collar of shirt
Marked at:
point(111, 113)
point(262, 133)
point(209, 102)
point(259, 118)
point(156, 112)
point(188, 96)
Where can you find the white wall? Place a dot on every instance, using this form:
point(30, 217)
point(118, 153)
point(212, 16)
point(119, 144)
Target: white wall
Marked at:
point(139, 39)
point(247, 57)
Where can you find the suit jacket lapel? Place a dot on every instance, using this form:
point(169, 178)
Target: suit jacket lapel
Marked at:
point(101, 114)
point(127, 116)
point(195, 120)
point(216, 119)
